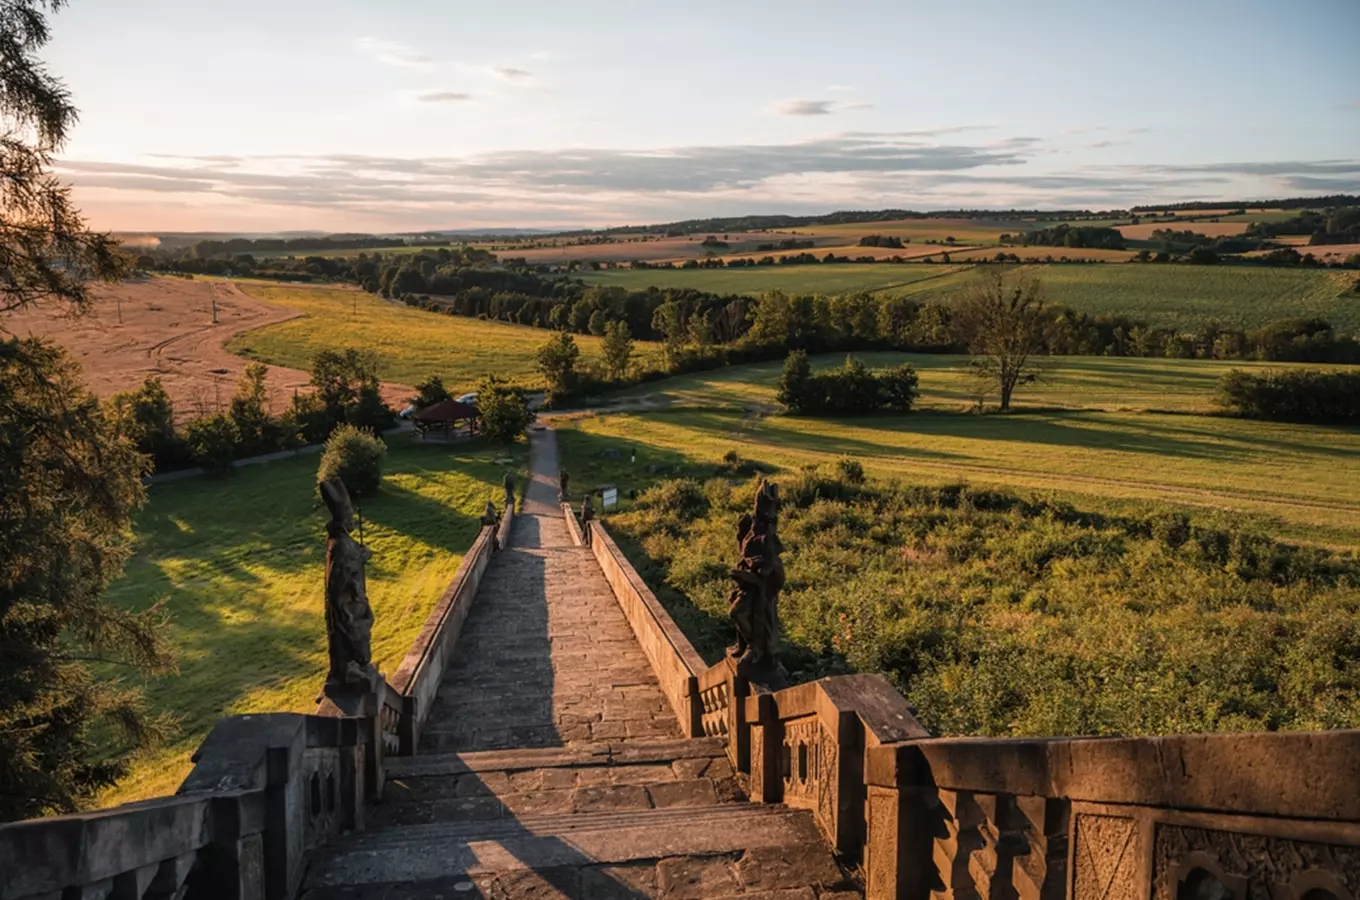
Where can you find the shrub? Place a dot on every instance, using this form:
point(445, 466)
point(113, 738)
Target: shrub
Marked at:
point(147, 418)
point(851, 470)
point(429, 392)
point(849, 390)
point(213, 440)
point(1292, 395)
point(897, 388)
point(356, 456)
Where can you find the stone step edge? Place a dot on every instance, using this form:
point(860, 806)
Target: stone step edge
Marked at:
point(416, 853)
point(603, 753)
point(475, 830)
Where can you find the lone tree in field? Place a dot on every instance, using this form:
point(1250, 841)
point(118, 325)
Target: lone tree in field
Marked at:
point(1000, 318)
point(69, 482)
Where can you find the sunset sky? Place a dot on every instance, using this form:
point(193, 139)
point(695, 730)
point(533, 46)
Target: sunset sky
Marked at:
point(413, 114)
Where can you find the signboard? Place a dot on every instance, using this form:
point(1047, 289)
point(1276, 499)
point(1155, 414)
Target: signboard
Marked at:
point(610, 498)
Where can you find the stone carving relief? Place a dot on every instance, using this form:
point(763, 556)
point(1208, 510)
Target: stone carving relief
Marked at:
point(1206, 864)
point(810, 758)
point(758, 577)
point(1106, 858)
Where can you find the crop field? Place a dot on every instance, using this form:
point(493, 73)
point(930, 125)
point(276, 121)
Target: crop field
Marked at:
point(832, 278)
point(1179, 296)
point(1183, 296)
point(1083, 439)
point(411, 344)
point(1037, 251)
point(240, 562)
point(964, 231)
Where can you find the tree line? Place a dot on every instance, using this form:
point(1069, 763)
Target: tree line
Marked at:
point(1293, 395)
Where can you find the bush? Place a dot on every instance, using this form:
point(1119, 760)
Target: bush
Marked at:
point(1292, 395)
point(356, 456)
point(849, 390)
point(851, 470)
point(214, 441)
point(147, 418)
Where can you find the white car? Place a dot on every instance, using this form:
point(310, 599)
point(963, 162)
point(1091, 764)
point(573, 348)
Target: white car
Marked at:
point(468, 398)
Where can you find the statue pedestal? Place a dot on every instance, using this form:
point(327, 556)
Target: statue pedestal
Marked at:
point(767, 674)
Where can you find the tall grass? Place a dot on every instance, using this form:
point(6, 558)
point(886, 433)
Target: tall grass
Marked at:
point(1000, 615)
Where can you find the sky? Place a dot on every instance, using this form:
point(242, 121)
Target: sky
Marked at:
point(408, 115)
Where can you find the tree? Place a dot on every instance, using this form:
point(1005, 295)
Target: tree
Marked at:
point(347, 385)
point(249, 411)
point(504, 410)
point(69, 482)
point(147, 418)
point(618, 348)
point(429, 392)
point(598, 322)
point(669, 322)
point(1000, 318)
point(557, 363)
point(795, 382)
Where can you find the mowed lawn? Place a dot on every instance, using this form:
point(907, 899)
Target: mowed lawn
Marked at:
point(411, 344)
point(1083, 433)
point(1171, 296)
point(240, 563)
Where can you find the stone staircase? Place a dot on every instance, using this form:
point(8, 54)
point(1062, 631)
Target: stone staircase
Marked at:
point(552, 765)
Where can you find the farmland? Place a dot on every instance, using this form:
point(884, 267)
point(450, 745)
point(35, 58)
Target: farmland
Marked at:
point(240, 562)
point(1085, 437)
point(411, 344)
point(1178, 296)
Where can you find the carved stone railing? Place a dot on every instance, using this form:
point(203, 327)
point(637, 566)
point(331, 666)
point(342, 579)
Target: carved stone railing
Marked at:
point(573, 524)
point(264, 791)
point(1238, 816)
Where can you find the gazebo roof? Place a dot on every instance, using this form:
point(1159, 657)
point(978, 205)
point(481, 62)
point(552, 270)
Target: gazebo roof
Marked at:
point(445, 411)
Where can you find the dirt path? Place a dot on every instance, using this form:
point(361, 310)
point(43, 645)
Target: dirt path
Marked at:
point(164, 326)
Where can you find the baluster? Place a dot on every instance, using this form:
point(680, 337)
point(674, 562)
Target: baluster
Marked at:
point(961, 817)
point(1041, 873)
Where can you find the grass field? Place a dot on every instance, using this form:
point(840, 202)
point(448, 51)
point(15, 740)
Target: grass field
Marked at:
point(411, 344)
point(1099, 449)
point(834, 278)
point(1178, 296)
point(240, 561)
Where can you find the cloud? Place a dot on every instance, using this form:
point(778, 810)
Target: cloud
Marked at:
point(923, 169)
point(512, 73)
point(393, 53)
point(444, 97)
point(818, 107)
point(803, 107)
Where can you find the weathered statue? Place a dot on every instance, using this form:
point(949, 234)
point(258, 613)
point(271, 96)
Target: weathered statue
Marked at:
point(509, 483)
point(587, 514)
point(759, 577)
point(349, 618)
point(563, 479)
point(490, 517)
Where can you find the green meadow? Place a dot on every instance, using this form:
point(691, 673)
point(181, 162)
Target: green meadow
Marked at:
point(239, 562)
point(1102, 433)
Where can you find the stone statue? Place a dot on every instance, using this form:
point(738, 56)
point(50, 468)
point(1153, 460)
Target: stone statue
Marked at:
point(759, 577)
point(509, 483)
point(349, 618)
point(489, 517)
point(563, 479)
point(587, 514)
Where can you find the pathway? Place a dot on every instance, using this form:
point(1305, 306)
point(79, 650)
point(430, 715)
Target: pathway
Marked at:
point(553, 766)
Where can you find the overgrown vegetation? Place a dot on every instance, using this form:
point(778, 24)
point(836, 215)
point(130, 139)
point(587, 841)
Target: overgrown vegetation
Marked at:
point(1293, 395)
point(999, 615)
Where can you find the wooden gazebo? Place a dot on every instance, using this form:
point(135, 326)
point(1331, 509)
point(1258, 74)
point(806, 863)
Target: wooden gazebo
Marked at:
point(446, 415)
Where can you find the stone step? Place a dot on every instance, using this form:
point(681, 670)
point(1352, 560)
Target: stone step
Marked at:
point(557, 781)
point(516, 760)
point(710, 852)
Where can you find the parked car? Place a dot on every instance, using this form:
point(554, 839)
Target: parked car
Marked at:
point(468, 398)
